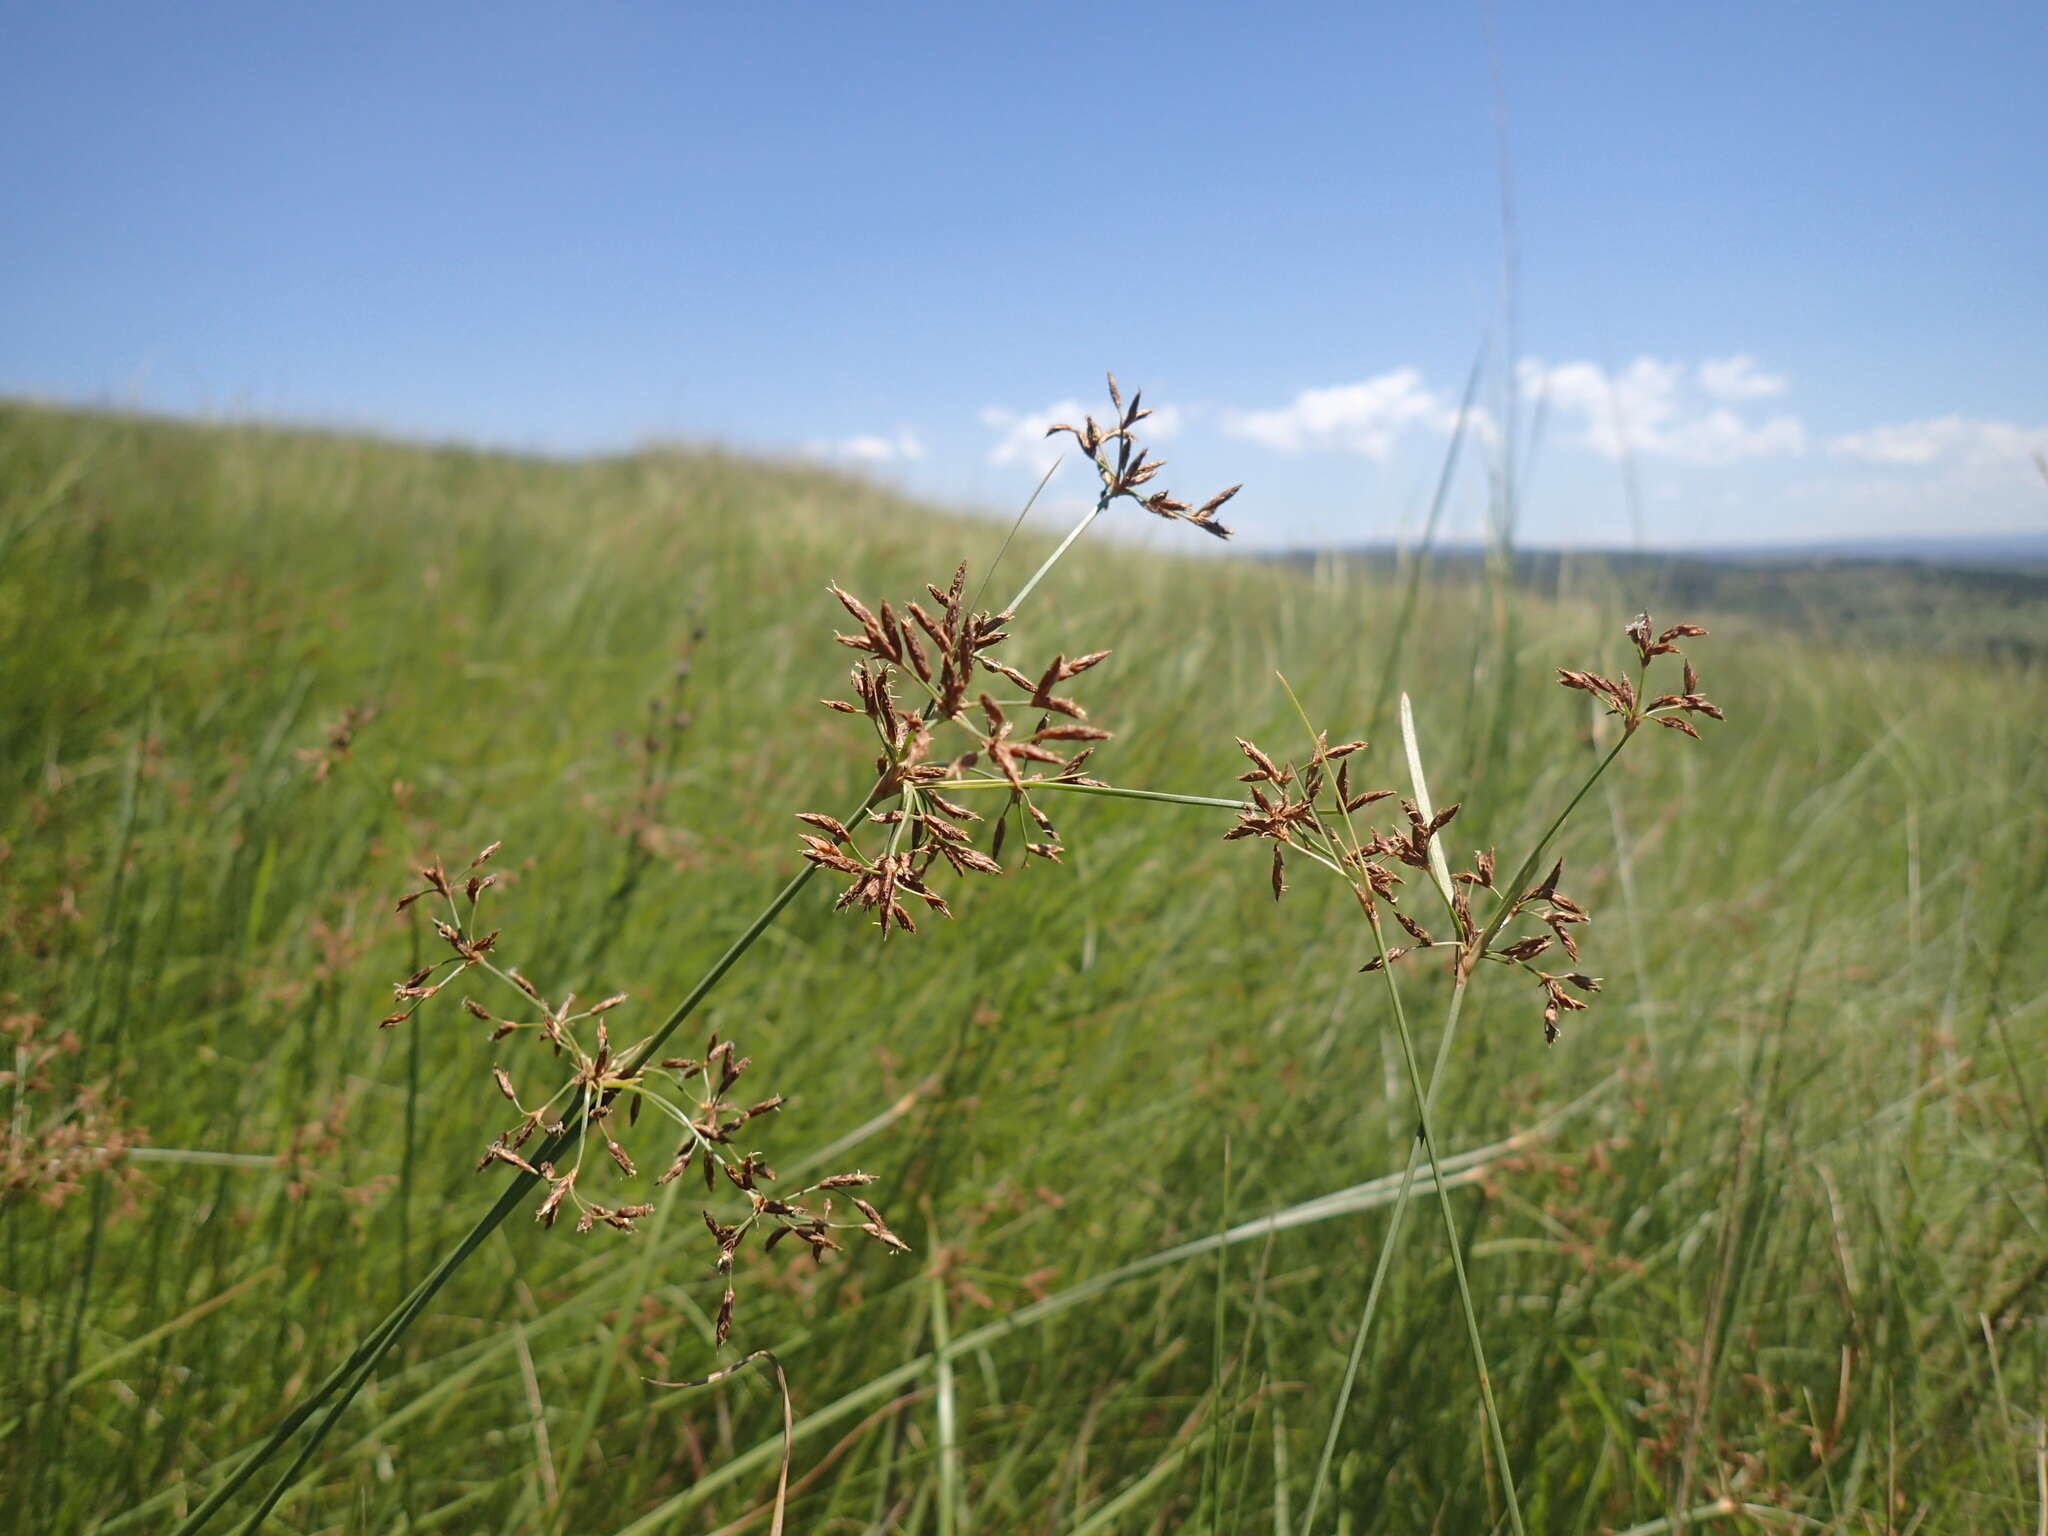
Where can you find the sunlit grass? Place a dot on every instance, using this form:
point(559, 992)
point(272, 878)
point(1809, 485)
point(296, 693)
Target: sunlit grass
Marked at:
point(1783, 1247)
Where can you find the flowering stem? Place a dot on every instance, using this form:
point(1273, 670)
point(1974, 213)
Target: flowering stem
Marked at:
point(348, 1378)
point(1425, 1141)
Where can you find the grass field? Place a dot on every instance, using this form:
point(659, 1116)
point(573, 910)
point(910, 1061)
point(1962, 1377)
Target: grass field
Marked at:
point(1770, 1259)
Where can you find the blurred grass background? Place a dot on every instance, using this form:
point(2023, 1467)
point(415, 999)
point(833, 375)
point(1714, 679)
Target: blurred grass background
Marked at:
point(1789, 1256)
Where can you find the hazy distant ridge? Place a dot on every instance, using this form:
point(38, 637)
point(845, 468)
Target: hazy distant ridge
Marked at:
point(1975, 595)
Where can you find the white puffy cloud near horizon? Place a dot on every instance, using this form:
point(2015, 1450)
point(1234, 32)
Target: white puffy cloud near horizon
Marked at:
point(1652, 408)
point(1368, 418)
point(1943, 439)
point(903, 446)
point(1718, 445)
point(1655, 408)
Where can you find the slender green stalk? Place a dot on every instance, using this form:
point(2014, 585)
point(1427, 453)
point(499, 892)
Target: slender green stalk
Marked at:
point(1210, 802)
point(1425, 1100)
point(1372, 1301)
point(1423, 1142)
point(1053, 559)
point(1508, 894)
point(1423, 1094)
point(946, 1405)
point(1022, 512)
point(1425, 1097)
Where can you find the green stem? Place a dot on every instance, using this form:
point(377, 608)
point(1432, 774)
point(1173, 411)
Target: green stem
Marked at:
point(1211, 802)
point(1372, 1302)
point(1424, 1097)
point(1053, 559)
point(1425, 1103)
point(365, 1356)
point(1513, 890)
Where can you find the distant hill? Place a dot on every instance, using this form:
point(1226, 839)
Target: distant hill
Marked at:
point(1978, 596)
point(2001, 549)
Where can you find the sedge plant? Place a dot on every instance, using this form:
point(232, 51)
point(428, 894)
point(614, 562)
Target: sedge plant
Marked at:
point(969, 750)
point(906, 808)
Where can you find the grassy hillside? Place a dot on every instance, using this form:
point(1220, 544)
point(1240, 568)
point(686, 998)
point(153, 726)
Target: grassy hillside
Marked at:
point(1773, 1257)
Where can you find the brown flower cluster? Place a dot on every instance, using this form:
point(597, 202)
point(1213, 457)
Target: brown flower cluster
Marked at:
point(1626, 698)
point(1291, 814)
point(1559, 913)
point(944, 653)
point(339, 741)
point(1299, 814)
point(1312, 812)
point(601, 1079)
point(56, 1138)
point(1129, 468)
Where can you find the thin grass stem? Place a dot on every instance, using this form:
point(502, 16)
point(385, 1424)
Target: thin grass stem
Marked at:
point(1113, 791)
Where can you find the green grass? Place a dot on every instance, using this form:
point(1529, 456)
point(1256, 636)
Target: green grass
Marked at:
point(1785, 1233)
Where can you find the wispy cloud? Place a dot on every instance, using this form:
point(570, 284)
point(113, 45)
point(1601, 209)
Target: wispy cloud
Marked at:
point(1739, 378)
point(1368, 418)
point(901, 447)
point(1655, 409)
point(1943, 439)
point(1021, 439)
point(1020, 435)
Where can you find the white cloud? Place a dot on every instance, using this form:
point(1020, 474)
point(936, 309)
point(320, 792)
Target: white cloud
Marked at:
point(1651, 407)
point(1021, 439)
point(1943, 439)
point(1648, 409)
point(870, 448)
point(1366, 418)
point(1738, 378)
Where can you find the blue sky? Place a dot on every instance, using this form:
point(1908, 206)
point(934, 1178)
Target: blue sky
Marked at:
point(1779, 269)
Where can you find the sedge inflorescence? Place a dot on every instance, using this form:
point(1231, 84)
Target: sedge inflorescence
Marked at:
point(1313, 812)
point(699, 1095)
point(1124, 465)
point(61, 1132)
point(942, 659)
point(919, 825)
point(950, 716)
